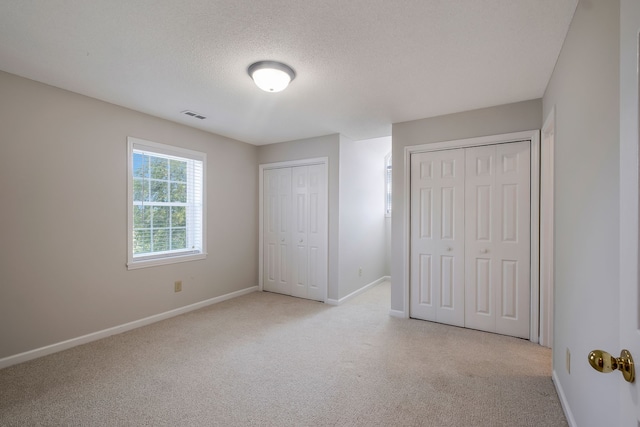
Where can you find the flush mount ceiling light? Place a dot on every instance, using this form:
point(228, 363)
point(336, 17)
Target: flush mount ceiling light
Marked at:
point(271, 76)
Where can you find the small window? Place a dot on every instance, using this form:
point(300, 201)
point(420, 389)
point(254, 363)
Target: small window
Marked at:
point(387, 185)
point(166, 204)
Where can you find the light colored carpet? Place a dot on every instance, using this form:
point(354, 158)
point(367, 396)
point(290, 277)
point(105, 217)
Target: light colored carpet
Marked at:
point(270, 360)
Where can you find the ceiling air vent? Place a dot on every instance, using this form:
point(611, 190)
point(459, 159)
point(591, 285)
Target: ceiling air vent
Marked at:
point(193, 114)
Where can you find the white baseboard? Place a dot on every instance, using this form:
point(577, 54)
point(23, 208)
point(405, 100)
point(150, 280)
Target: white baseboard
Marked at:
point(64, 345)
point(358, 292)
point(563, 400)
point(398, 313)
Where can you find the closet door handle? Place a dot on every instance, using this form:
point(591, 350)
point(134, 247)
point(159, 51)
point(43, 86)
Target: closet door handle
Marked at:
point(449, 248)
point(301, 240)
point(484, 251)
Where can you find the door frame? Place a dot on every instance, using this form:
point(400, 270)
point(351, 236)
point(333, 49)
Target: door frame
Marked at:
point(324, 161)
point(547, 231)
point(530, 135)
point(629, 245)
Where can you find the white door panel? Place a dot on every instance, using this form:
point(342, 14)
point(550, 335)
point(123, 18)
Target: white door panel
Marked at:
point(300, 216)
point(317, 233)
point(270, 230)
point(514, 296)
point(437, 247)
point(277, 198)
point(422, 241)
point(481, 222)
point(497, 242)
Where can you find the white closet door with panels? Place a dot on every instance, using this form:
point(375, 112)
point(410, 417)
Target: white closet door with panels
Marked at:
point(470, 237)
point(300, 228)
point(295, 231)
point(497, 241)
point(437, 239)
point(309, 218)
point(277, 230)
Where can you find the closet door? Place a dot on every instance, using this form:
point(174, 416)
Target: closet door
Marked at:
point(300, 264)
point(437, 236)
point(317, 233)
point(295, 231)
point(277, 230)
point(497, 244)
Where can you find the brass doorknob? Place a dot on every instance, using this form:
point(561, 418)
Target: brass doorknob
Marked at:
point(602, 361)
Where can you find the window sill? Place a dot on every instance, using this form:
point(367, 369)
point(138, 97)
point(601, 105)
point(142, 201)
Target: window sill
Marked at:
point(133, 265)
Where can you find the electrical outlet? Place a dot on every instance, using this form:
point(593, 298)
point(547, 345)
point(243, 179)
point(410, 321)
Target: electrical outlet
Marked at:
point(568, 361)
point(360, 271)
point(177, 286)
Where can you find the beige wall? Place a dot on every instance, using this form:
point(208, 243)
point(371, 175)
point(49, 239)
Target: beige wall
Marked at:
point(63, 217)
point(516, 117)
point(584, 89)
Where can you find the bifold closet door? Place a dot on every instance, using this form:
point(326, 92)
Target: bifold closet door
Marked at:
point(309, 232)
point(497, 243)
point(295, 231)
point(470, 237)
point(277, 230)
point(437, 236)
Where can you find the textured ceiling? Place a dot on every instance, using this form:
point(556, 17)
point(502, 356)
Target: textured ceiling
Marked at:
point(361, 64)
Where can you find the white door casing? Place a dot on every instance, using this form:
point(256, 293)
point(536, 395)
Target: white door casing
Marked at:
point(437, 242)
point(629, 314)
point(497, 233)
point(547, 230)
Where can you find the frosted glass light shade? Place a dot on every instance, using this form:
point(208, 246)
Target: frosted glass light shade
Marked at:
point(271, 76)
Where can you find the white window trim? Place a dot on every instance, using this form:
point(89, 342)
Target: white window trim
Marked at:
point(169, 150)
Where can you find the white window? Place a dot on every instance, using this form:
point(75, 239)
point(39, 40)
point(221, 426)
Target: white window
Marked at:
point(166, 204)
point(387, 185)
